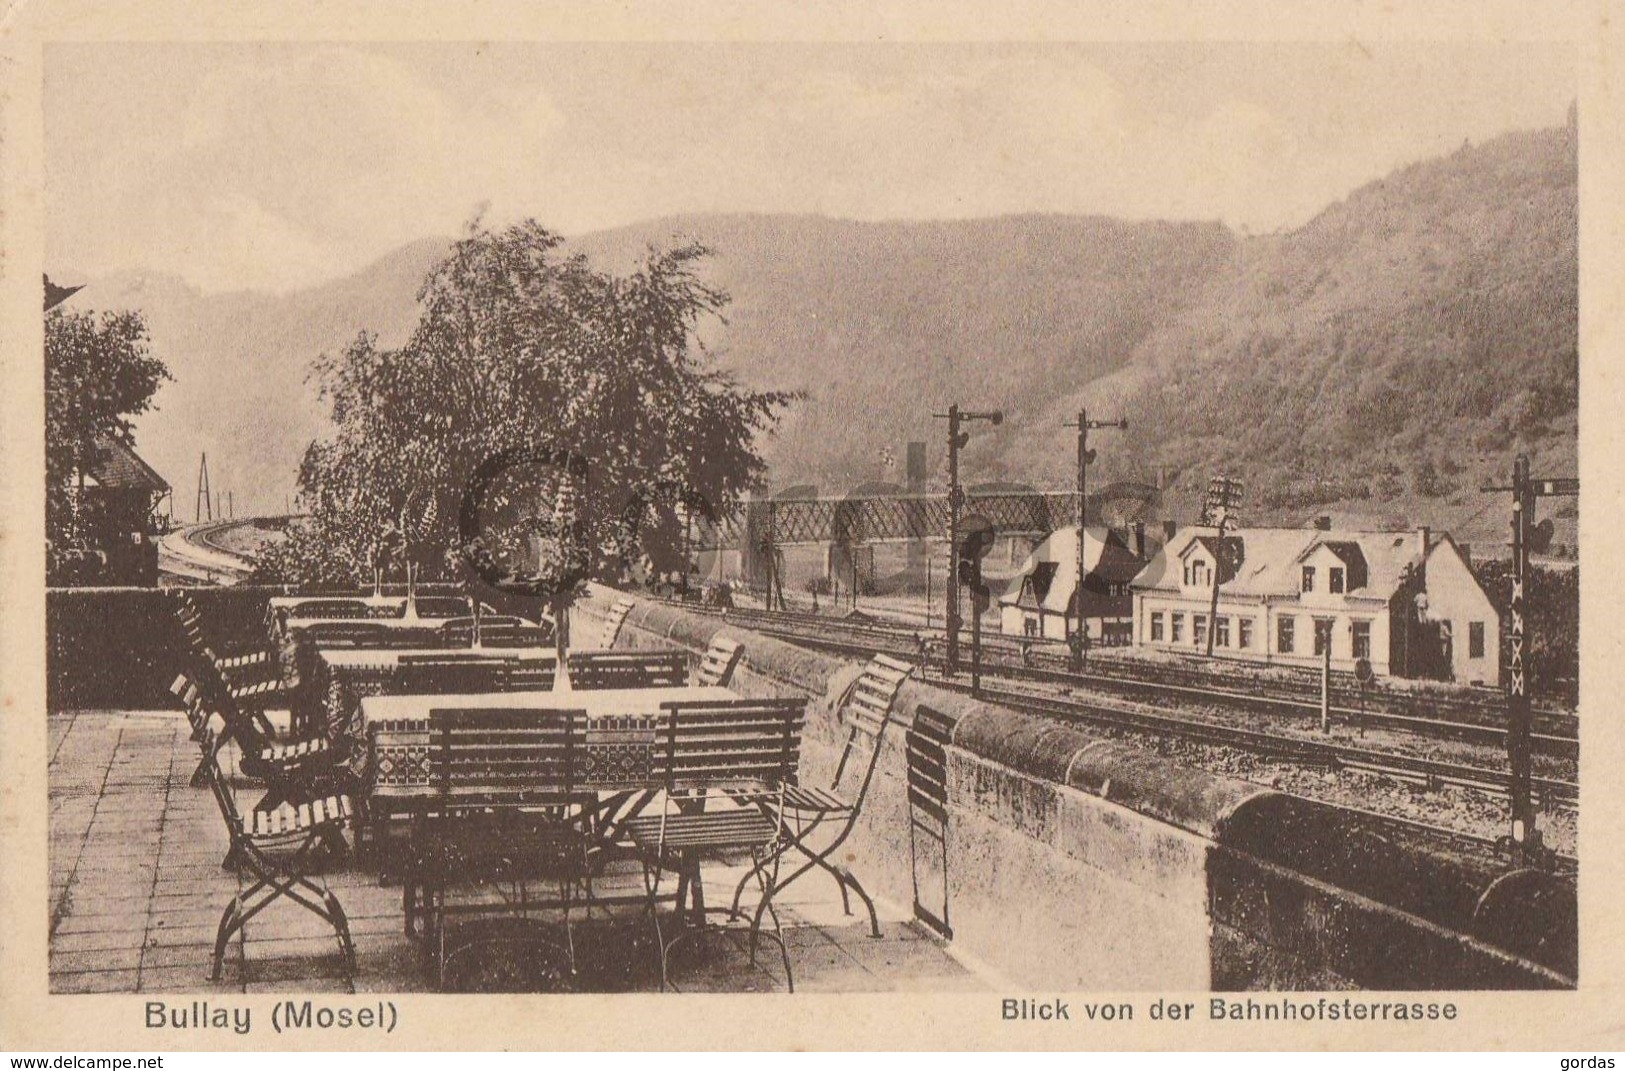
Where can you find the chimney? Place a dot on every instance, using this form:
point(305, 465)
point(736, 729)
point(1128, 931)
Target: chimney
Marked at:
point(1168, 529)
point(1323, 523)
point(1136, 540)
point(1425, 535)
point(1466, 553)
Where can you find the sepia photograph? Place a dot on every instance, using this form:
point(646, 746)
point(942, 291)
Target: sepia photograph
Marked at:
point(1051, 524)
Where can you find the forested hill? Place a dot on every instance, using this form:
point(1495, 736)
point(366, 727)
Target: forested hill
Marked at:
point(883, 324)
point(1401, 345)
point(1363, 361)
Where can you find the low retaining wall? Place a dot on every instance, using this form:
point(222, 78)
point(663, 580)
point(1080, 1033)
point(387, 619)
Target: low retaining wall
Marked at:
point(1077, 863)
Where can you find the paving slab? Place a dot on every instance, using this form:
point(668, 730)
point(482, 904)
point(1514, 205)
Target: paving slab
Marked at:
point(137, 891)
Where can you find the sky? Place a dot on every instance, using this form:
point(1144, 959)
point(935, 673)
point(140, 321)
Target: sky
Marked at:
point(282, 166)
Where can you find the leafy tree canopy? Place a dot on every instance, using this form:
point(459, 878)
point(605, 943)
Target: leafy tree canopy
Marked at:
point(99, 373)
point(521, 347)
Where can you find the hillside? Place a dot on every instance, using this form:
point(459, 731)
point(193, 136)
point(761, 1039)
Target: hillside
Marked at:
point(1387, 355)
point(240, 359)
point(1362, 364)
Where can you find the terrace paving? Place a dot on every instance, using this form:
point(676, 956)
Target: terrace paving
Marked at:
point(137, 890)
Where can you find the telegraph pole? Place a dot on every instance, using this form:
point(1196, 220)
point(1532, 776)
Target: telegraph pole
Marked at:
point(1222, 495)
point(205, 501)
point(771, 548)
point(1524, 841)
point(1079, 640)
point(956, 502)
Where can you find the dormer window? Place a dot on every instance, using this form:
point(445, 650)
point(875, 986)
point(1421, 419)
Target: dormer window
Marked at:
point(1308, 578)
point(1334, 581)
point(1201, 574)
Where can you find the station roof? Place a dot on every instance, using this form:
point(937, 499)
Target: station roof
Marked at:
point(1051, 571)
point(1270, 557)
point(117, 466)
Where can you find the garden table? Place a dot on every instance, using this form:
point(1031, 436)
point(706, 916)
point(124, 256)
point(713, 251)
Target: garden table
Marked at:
point(336, 679)
point(614, 774)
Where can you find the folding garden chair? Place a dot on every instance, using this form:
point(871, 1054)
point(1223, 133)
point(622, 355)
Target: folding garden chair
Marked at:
point(191, 623)
point(717, 667)
point(710, 750)
point(275, 848)
point(244, 675)
point(613, 622)
point(808, 810)
point(289, 769)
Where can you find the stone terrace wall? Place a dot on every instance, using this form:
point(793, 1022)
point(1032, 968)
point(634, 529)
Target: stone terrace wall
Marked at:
point(1079, 863)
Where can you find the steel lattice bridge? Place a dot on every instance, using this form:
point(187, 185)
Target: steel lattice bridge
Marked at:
point(881, 517)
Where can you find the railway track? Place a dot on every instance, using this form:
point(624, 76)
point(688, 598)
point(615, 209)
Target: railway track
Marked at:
point(1464, 722)
point(208, 536)
point(1551, 792)
point(197, 552)
point(1432, 831)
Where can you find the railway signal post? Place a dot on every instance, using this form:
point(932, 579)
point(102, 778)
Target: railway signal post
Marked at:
point(1524, 841)
point(978, 540)
point(1079, 640)
point(1222, 495)
point(956, 503)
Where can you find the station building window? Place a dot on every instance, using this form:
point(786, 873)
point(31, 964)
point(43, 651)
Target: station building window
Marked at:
point(1361, 633)
point(1475, 639)
point(1309, 578)
point(1334, 580)
point(1156, 627)
point(1285, 635)
point(1176, 632)
point(1199, 629)
point(1323, 635)
point(1244, 633)
point(1221, 632)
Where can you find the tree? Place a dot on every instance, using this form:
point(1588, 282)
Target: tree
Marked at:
point(523, 350)
point(99, 373)
point(1552, 615)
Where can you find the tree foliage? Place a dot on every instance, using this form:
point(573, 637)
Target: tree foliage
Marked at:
point(1552, 653)
point(521, 347)
point(99, 373)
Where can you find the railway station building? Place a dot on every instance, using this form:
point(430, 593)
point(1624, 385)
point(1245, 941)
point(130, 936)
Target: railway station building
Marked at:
point(1407, 602)
point(115, 501)
point(1042, 603)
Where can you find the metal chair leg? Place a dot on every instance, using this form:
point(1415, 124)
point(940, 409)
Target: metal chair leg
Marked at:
point(850, 879)
point(229, 924)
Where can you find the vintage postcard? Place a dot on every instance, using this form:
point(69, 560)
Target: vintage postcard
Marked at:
point(711, 526)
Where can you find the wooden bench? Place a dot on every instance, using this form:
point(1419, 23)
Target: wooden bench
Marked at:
point(628, 669)
point(705, 752)
point(505, 782)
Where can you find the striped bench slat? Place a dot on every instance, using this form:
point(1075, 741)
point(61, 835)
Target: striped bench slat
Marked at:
point(307, 815)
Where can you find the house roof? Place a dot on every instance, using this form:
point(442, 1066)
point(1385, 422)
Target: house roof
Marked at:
point(1350, 554)
point(1269, 558)
point(1051, 571)
point(117, 466)
point(1228, 552)
point(1034, 587)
